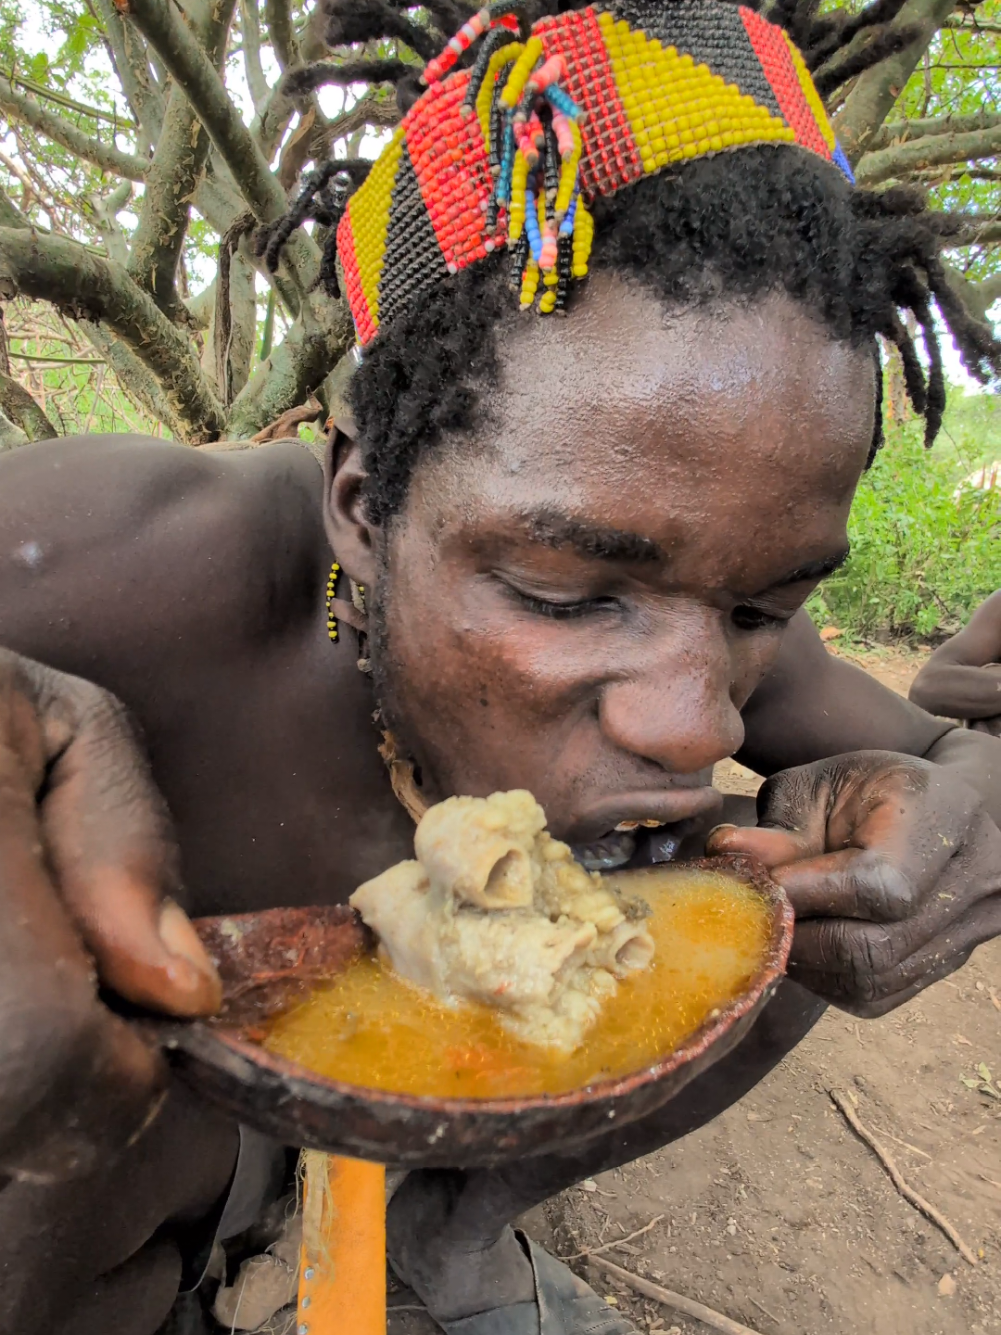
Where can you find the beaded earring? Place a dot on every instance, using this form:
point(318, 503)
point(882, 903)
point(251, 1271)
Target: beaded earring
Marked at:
point(512, 151)
point(352, 612)
point(335, 571)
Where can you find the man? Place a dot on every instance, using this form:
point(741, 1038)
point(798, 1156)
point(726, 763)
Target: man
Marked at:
point(962, 679)
point(584, 547)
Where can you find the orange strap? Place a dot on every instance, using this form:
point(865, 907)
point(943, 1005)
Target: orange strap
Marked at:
point(342, 1275)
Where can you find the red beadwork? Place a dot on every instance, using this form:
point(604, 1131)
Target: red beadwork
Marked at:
point(590, 83)
point(364, 324)
point(772, 49)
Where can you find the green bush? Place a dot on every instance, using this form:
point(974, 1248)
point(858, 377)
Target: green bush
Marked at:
point(921, 560)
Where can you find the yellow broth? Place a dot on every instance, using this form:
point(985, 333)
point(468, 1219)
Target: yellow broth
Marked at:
point(369, 1027)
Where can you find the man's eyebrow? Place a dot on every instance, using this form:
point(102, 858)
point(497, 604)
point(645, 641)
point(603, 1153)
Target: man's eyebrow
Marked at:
point(592, 541)
point(815, 569)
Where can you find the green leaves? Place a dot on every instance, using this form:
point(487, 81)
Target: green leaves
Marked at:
point(922, 559)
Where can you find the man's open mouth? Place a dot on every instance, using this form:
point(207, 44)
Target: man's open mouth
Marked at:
point(640, 843)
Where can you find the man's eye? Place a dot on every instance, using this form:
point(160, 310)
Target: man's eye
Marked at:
point(563, 611)
point(753, 618)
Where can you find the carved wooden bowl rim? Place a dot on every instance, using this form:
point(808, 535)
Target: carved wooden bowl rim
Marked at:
point(206, 1041)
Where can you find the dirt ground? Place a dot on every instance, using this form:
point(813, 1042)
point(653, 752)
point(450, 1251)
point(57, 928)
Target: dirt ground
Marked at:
point(778, 1216)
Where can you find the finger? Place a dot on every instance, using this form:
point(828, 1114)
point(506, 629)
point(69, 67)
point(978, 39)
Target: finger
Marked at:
point(111, 848)
point(863, 992)
point(854, 883)
point(74, 1079)
point(771, 847)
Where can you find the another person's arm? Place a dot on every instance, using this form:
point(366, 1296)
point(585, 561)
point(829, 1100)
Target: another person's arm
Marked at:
point(962, 679)
point(880, 821)
point(813, 706)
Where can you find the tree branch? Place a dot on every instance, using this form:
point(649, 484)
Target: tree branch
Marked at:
point(978, 231)
point(88, 287)
point(899, 132)
point(106, 210)
point(178, 164)
point(128, 55)
point(11, 436)
point(10, 214)
point(368, 110)
point(929, 151)
point(976, 297)
point(18, 405)
point(135, 379)
point(250, 29)
point(110, 159)
point(290, 374)
point(191, 68)
point(868, 104)
point(972, 25)
point(70, 103)
point(279, 21)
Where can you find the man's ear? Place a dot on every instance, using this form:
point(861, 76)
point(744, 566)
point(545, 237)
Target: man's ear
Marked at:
point(349, 530)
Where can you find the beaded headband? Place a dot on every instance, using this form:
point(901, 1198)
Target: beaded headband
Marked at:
point(511, 151)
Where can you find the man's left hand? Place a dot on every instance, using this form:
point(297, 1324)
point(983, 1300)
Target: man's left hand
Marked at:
point(893, 869)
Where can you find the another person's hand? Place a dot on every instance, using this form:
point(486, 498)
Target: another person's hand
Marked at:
point(88, 866)
point(892, 866)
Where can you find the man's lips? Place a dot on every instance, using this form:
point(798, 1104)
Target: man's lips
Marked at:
point(664, 807)
point(660, 821)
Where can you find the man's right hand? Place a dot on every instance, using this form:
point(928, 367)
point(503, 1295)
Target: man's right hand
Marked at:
point(88, 871)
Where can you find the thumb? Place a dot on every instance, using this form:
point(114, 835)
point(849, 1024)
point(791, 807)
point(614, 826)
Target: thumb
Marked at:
point(772, 847)
point(110, 844)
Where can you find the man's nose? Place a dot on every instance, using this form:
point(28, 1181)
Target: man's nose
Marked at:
point(673, 706)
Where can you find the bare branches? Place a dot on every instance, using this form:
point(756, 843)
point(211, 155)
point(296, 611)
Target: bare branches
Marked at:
point(70, 103)
point(250, 32)
point(128, 56)
point(279, 21)
point(106, 156)
point(18, 405)
point(91, 288)
point(188, 64)
point(292, 372)
point(869, 102)
point(178, 163)
point(928, 151)
point(899, 132)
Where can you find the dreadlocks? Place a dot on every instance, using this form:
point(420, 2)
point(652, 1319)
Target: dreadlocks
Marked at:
point(733, 225)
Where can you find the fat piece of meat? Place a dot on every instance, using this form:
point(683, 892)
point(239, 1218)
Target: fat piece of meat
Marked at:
point(496, 910)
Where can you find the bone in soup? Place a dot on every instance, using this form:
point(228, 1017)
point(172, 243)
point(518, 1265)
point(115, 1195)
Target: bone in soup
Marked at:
point(451, 1008)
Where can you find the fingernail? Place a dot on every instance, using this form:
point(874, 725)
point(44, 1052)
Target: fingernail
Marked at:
point(178, 934)
point(717, 828)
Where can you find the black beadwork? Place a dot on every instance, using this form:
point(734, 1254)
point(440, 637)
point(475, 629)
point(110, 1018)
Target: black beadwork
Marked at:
point(711, 33)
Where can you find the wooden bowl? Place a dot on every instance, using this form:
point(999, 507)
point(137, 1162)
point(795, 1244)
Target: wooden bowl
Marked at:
point(268, 960)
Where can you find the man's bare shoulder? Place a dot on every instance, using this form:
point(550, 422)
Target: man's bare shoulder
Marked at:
point(107, 541)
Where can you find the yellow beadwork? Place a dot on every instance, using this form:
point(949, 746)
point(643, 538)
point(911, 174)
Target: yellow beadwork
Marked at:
point(485, 96)
point(371, 225)
point(568, 174)
point(335, 571)
point(529, 284)
point(678, 109)
point(583, 235)
point(516, 214)
point(810, 93)
point(523, 67)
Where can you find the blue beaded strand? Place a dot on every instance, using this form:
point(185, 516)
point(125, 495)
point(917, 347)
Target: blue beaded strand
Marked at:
point(562, 101)
point(532, 224)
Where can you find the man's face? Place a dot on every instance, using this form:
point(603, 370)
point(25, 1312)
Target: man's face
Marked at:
point(580, 601)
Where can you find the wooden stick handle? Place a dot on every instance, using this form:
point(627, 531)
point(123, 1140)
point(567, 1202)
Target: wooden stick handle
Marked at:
point(342, 1274)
